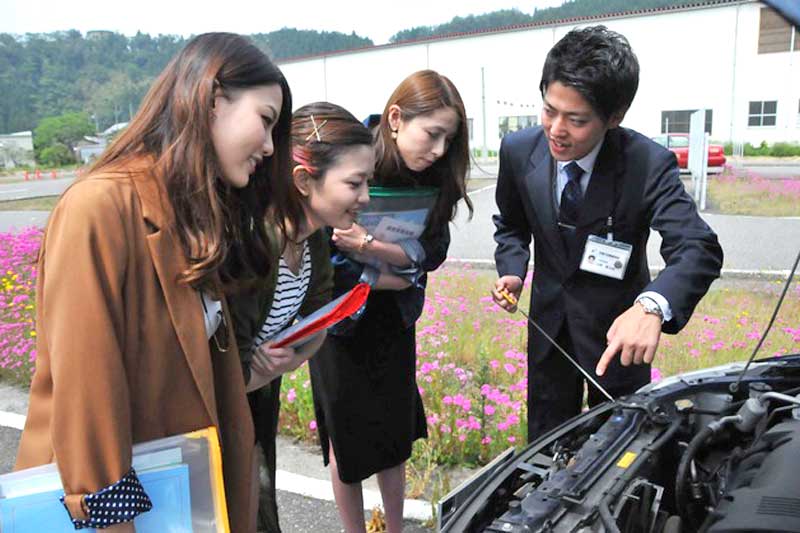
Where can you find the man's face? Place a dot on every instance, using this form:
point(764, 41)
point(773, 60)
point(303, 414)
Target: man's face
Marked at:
point(572, 127)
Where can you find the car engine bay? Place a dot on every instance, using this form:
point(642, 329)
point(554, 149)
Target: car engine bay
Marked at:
point(696, 452)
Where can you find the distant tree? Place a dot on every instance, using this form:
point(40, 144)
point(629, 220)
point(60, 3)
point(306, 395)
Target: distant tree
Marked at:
point(56, 155)
point(107, 74)
point(510, 17)
point(56, 133)
point(291, 42)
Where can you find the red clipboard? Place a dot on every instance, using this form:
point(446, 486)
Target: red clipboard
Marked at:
point(325, 317)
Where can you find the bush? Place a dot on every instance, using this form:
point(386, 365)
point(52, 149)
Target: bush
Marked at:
point(779, 149)
point(785, 149)
point(56, 155)
point(727, 148)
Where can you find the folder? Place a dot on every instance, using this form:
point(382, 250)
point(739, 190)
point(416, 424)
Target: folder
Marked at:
point(395, 214)
point(342, 307)
point(182, 475)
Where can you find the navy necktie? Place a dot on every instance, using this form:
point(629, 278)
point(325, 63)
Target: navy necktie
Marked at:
point(571, 196)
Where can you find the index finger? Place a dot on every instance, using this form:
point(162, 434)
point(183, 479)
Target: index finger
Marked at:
point(606, 358)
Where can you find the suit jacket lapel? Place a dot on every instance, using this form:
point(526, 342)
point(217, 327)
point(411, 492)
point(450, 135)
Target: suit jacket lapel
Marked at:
point(539, 181)
point(183, 301)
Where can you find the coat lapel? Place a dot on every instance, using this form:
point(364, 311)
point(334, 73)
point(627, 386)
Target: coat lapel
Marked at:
point(539, 181)
point(183, 301)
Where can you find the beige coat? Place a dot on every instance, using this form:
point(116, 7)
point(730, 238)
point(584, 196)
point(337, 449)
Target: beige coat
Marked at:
point(123, 355)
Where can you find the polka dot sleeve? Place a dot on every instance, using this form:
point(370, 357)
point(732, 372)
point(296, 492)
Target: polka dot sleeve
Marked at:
point(116, 503)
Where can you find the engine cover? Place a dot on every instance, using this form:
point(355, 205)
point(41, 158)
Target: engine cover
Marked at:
point(764, 490)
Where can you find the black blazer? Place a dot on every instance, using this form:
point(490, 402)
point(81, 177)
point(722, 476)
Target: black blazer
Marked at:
point(638, 182)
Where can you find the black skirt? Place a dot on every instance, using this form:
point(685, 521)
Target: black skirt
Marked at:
point(365, 393)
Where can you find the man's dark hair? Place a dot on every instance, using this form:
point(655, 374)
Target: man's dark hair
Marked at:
point(599, 64)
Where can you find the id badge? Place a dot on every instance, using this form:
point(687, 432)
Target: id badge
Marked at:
point(606, 257)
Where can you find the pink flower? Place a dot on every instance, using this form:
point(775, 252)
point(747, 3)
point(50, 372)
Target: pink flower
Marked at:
point(488, 409)
point(291, 395)
point(312, 425)
point(655, 374)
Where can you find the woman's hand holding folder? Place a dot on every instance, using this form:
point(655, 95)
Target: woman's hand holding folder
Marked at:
point(268, 363)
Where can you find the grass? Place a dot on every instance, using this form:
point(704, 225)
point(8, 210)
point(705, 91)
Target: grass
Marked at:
point(742, 192)
point(42, 203)
point(471, 363)
point(472, 372)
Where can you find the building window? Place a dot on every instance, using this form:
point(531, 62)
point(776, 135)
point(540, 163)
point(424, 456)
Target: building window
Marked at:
point(775, 34)
point(515, 123)
point(762, 113)
point(678, 121)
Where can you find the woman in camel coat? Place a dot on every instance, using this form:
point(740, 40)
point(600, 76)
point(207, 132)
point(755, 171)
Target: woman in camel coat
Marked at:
point(134, 337)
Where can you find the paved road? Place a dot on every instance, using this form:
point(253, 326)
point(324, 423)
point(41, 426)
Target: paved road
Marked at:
point(750, 243)
point(33, 189)
point(298, 514)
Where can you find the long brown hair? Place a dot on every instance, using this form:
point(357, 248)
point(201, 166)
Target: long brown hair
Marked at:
point(220, 228)
point(321, 133)
point(422, 93)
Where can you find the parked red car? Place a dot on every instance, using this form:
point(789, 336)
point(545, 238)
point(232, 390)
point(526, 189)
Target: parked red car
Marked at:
point(678, 143)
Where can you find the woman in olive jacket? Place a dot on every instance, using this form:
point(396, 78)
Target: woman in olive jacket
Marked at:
point(333, 156)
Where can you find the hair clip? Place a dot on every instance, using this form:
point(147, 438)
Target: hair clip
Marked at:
point(316, 129)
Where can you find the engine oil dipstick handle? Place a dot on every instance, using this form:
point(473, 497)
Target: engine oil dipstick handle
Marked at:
point(513, 301)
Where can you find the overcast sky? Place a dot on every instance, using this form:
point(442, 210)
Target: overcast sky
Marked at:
point(377, 19)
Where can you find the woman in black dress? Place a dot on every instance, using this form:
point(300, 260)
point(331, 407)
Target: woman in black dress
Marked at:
point(368, 407)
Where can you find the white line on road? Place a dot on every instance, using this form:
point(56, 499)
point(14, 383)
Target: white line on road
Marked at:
point(320, 489)
point(295, 483)
point(481, 189)
point(12, 420)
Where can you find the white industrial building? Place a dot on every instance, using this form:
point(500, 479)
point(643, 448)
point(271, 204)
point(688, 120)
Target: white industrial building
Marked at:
point(736, 58)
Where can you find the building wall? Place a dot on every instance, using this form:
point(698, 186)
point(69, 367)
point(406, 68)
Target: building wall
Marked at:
point(16, 149)
point(691, 59)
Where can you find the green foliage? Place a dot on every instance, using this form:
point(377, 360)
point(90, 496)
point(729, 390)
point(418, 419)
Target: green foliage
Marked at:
point(60, 131)
point(779, 149)
point(291, 42)
point(509, 17)
point(785, 150)
point(495, 19)
point(106, 74)
point(56, 155)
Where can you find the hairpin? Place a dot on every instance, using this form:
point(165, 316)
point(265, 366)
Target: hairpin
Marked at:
point(316, 129)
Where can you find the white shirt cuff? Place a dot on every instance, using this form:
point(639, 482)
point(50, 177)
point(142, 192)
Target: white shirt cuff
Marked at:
point(662, 302)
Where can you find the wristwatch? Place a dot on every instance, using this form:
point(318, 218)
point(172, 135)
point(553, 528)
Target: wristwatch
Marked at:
point(650, 307)
point(368, 238)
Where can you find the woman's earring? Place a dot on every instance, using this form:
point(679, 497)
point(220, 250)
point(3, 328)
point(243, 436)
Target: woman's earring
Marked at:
point(394, 134)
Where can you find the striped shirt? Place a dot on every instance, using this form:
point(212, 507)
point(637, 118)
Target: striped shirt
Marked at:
point(289, 294)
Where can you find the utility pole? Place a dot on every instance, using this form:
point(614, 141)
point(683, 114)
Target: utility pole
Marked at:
point(485, 150)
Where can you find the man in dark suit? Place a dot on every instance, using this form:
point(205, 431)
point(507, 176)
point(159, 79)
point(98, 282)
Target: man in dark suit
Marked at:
point(589, 191)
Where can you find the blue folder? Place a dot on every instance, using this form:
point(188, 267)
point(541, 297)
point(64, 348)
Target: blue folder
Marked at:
point(168, 489)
